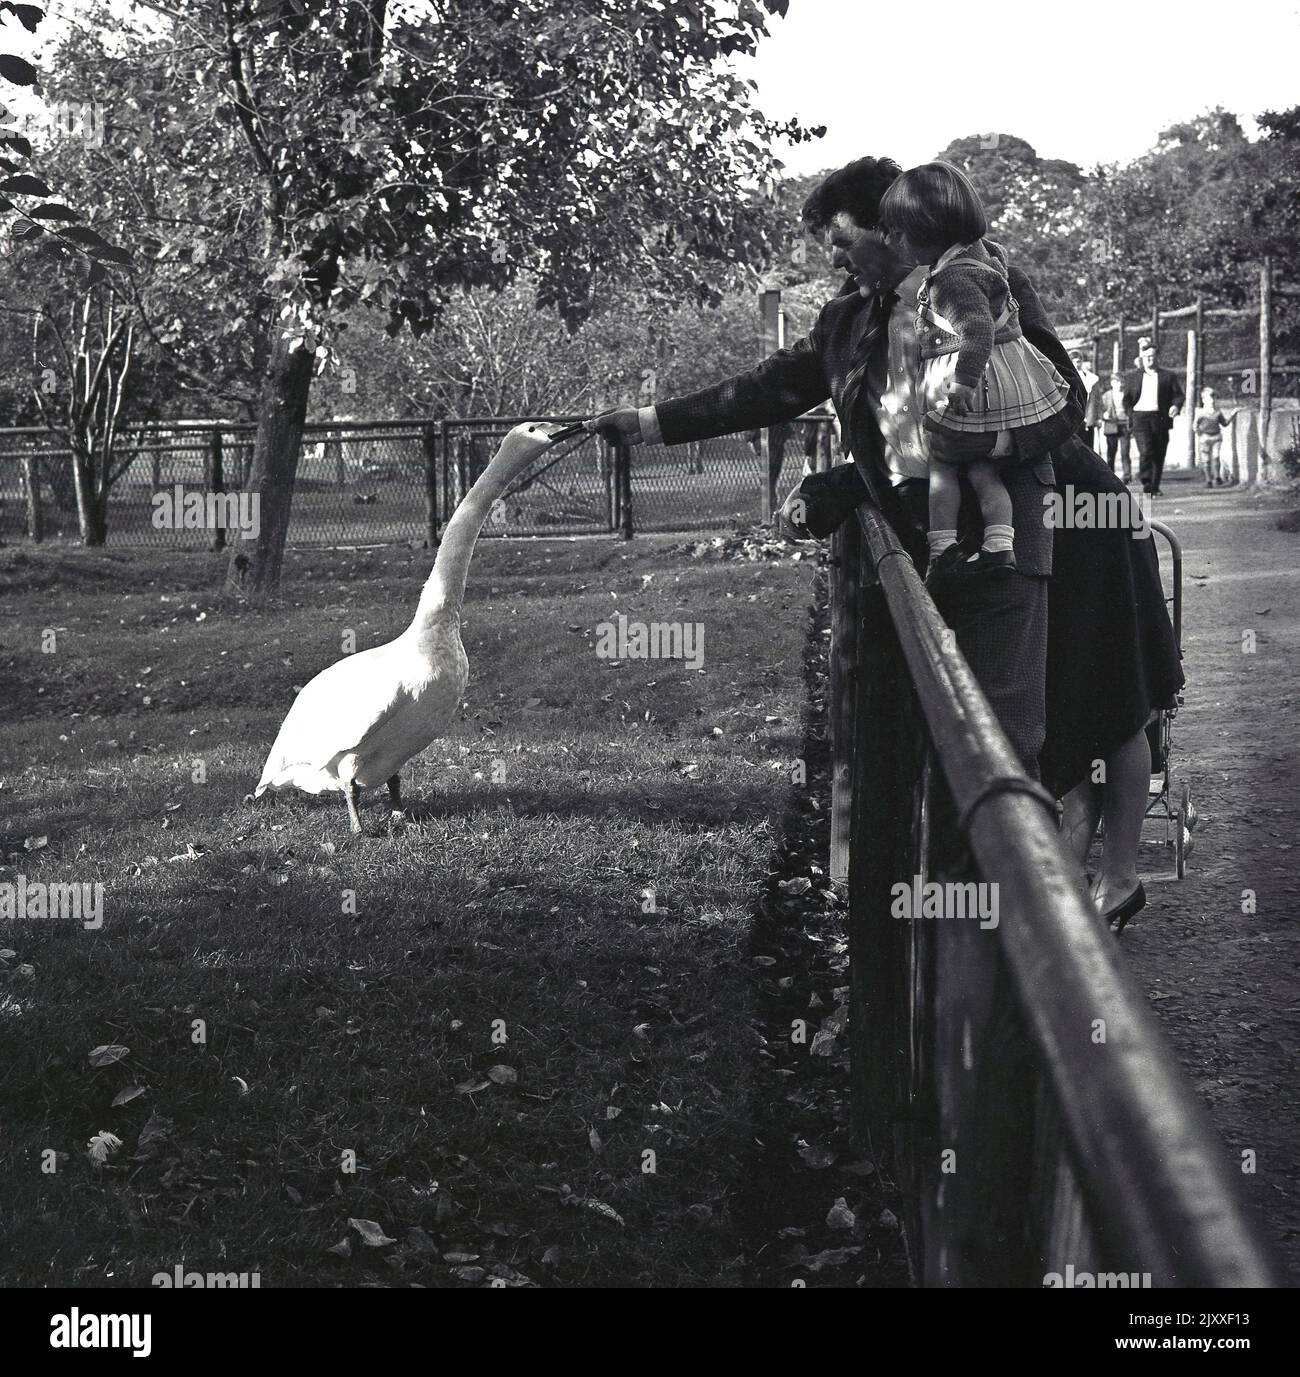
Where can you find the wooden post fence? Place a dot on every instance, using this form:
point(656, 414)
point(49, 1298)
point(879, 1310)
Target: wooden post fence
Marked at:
point(1025, 1144)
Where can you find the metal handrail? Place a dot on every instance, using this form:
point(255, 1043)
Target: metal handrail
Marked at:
point(1152, 1171)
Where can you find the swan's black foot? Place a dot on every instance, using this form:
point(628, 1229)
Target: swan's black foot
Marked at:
point(414, 812)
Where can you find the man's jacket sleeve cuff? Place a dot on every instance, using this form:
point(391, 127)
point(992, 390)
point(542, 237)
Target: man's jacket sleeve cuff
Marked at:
point(649, 420)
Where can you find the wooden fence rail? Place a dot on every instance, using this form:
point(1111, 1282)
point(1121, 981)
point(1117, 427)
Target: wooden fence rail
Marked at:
point(1012, 1076)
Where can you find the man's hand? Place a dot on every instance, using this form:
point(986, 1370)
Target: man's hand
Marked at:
point(961, 398)
point(625, 422)
point(1173, 412)
point(790, 519)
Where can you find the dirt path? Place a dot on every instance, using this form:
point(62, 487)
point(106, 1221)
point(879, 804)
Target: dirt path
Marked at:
point(1224, 980)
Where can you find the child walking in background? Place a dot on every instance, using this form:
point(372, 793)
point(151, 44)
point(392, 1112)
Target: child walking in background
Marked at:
point(1209, 422)
point(990, 396)
point(1114, 422)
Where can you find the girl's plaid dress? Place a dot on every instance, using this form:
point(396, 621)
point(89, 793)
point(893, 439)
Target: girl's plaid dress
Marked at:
point(968, 325)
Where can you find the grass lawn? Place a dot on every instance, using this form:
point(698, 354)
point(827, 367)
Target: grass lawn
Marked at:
point(478, 1032)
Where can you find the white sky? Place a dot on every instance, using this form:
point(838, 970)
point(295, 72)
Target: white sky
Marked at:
point(1099, 92)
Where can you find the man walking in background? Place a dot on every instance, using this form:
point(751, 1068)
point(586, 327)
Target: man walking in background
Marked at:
point(1152, 398)
point(1092, 408)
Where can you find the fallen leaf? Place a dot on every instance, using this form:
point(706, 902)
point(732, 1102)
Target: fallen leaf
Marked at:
point(371, 1234)
point(107, 1054)
point(156, 1130)
point(840, 1216)
point(816, 1157)
point(132, 1092)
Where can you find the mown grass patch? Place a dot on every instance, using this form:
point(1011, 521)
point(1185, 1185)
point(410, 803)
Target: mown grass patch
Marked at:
point(539, 987)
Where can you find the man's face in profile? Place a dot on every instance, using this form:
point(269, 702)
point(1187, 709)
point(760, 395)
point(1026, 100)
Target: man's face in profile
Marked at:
point(864, 254)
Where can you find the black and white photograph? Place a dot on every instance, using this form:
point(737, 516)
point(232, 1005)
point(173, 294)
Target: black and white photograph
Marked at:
point(648, 645)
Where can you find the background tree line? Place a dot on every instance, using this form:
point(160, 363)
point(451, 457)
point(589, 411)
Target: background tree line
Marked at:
point(268, 211)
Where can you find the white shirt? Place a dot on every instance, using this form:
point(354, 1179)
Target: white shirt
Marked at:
point(1149, 400)
point(892, 395)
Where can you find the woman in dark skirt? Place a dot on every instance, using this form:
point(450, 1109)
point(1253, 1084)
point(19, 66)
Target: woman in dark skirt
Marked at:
point(1112, 663)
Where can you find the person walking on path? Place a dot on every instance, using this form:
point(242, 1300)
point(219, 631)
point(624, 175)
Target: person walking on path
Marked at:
point(1153, 397)
point(1209, 422)
point(1092, 407)
point(1114, 425)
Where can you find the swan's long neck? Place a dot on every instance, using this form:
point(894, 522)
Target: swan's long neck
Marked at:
point(441, 597)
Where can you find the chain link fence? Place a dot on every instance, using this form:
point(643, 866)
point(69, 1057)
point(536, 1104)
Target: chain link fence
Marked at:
point(376, 482)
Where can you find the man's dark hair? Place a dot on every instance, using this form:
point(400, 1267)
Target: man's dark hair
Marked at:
point(856, 190)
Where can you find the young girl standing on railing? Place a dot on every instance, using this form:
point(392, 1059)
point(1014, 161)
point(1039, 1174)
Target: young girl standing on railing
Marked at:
point(990, 396)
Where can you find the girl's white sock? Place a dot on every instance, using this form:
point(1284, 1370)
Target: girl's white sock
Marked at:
point(939, 542)
point(997, 538)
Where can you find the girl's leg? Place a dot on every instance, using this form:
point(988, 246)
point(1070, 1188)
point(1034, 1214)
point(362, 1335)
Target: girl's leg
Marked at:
point(1124, 804)
point(945, 503)
point(995, 504)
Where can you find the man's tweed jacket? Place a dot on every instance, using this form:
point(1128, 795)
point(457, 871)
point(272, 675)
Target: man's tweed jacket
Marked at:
point(831, 361)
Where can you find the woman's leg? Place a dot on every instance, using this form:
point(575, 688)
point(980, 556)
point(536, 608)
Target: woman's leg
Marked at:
point(1124, 805)
point(1079, 821)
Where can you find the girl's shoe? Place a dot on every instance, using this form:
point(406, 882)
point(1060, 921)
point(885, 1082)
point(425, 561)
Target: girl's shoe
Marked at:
point(944, 565)
point(1116, 919)
point(985, 560)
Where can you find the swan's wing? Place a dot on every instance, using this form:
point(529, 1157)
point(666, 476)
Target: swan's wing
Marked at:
point(335, 713)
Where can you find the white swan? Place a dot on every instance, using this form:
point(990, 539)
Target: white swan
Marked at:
point(359, 721)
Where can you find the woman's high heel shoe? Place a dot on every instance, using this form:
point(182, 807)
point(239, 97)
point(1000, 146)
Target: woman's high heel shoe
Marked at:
point(1117, 918)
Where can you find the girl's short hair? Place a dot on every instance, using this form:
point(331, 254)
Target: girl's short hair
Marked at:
point(934, 204)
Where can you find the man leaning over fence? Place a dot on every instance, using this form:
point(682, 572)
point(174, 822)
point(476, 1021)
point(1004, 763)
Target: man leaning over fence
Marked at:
point(1068, 694)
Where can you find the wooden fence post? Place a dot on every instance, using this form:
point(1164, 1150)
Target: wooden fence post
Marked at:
point(430, 444)
point(32, 493)
point(444, 448)
point(1265, 363)
point(1193, 398)
point(846, 585)
point(886, 769)
point(216, 483)
point(765, 473)
point(625, 488)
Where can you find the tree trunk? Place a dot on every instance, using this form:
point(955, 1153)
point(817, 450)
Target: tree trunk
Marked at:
point(90, 513)
point(254, 566)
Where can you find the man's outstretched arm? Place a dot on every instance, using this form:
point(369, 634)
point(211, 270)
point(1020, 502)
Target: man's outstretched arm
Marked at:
point(782, 387)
